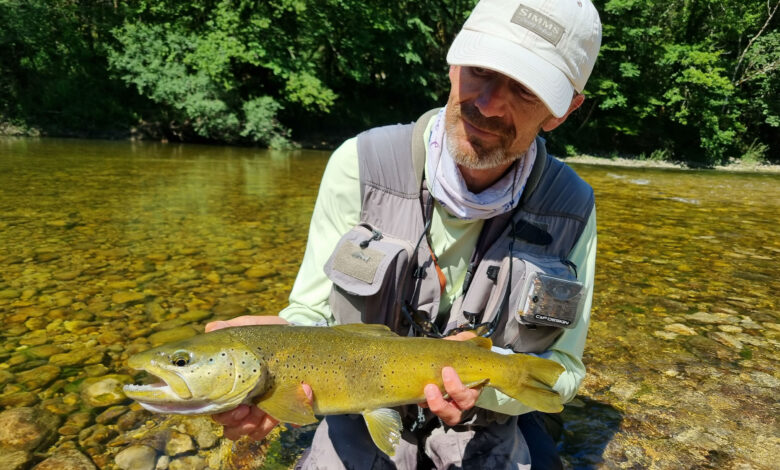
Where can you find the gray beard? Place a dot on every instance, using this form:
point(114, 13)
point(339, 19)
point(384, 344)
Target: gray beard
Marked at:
point(484, 161)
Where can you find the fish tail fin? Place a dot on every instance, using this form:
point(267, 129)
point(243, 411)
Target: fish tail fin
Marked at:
point(533, 386)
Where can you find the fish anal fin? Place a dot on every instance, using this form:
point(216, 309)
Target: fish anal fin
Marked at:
point(288, 403)
point(384, 426)
point(477, 384)
point(367, 329)
point(481, 342)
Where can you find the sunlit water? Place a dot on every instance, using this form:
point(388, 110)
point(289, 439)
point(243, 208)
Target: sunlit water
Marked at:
point(108, 248)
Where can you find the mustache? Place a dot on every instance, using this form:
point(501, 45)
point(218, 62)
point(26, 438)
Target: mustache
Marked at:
point(490, 124)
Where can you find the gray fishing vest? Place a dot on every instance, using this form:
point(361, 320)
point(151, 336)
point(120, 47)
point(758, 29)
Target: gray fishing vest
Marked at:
point(373, 273)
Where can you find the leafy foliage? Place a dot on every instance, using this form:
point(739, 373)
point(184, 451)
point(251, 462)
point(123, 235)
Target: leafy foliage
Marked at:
point(693, 80)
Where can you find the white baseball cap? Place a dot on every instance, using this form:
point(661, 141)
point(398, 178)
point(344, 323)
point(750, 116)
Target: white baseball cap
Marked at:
point(549, 46)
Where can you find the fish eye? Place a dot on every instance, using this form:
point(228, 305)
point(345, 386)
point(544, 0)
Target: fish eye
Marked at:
point(180, 358)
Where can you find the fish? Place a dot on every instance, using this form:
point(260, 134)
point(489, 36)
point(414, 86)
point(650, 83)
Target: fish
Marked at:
point(352, 369)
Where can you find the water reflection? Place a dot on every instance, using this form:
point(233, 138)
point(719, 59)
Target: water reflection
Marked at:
point(111, 247)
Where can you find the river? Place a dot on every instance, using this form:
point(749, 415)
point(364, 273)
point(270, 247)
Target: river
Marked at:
point(108, 248)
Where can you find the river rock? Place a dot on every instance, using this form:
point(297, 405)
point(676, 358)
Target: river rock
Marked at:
point(5, 377)
point(77, 357)
point(176, 334)
point(195, 315)
point(130, 419)
point(105, 391)
point(179, 443)
point(111, 414)
point(9, 294)
point(44, 351)
point(164, 462)
point(67, 459)
point(128, 297)
point(229, 309)
point(712, 318)
point(136, 457)
point(14, 459)
point(190, 462)
point(16, 399)
point(36, 378)
point(727, 339)
point(75, 423)
point(204, 430)
point(95, 435)
point(260, 272)
point(25, 428)
point(680, 329)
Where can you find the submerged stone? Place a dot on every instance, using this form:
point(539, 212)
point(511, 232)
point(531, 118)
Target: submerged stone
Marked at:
point(67, 459)
point(26, 428)
point(136, 457)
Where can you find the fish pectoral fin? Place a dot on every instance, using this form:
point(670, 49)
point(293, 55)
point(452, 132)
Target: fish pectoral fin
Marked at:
point(289, 404)
point(366, 329)
point(477, 384)
point(385, 426)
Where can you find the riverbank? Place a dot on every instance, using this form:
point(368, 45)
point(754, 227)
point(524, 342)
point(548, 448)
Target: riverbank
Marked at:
point(736, 166)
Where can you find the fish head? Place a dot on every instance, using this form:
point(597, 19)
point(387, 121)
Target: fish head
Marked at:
point(205, 374)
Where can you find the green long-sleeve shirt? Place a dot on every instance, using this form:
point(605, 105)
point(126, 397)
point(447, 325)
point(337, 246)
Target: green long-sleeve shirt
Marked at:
point(337, 210)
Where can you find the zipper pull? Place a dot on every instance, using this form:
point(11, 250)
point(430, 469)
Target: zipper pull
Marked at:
point(375, 235)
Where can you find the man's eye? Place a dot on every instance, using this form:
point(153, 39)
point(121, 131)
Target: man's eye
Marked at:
point(481, 71)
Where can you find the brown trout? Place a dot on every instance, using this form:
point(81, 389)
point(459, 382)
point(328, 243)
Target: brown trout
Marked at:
point(351, 369)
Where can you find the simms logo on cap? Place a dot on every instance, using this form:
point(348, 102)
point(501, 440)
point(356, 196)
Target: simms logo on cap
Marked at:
point(539, 23)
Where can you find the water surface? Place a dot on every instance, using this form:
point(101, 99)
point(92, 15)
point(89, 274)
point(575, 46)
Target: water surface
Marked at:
point(108, 248)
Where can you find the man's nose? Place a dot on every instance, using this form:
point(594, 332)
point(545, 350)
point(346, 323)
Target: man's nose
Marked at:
point(491, 100)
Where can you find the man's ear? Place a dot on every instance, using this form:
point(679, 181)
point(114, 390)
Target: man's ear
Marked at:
point(554, 122)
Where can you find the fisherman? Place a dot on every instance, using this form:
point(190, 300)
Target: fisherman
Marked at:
point(460, 225)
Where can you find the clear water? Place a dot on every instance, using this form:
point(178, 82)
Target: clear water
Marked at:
point(103, 244)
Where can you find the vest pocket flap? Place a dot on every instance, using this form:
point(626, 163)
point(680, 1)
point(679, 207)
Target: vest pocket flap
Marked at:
point(359, 267)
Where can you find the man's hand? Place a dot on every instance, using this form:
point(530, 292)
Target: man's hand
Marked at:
point(460, 398)
point(248, 420)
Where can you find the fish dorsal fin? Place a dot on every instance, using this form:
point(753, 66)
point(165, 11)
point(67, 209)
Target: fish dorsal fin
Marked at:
point(368, 329)
point(288, 403)
point(481, 342)
point(384, 425)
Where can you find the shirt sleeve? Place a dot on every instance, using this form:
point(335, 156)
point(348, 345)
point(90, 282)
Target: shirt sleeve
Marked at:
point(336, 210)
point(568, 348)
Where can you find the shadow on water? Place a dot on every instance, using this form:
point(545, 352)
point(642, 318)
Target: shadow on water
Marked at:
point(588, 426)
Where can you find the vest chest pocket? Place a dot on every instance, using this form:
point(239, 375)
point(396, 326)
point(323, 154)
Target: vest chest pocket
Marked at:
point(550, 294)
point(364, 268)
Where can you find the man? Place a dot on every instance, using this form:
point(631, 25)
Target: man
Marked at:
point(463, 225)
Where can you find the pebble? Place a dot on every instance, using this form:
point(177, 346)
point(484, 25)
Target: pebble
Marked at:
point(68, 459)
point(712, 318)
point(14, 459)
point(76, 357)
point(205, 431)
point(195, 315)
point(260, 272)
point(26, 428)
point(680, 329)
point(111, 414)
point(95, 435)
point(190, 462)
point(75, 423)
point(726, 339)
point(229, 309)
point(128, 297)
point(105, 391)
point(136, 457)
point(179, 443)
point(38, 377)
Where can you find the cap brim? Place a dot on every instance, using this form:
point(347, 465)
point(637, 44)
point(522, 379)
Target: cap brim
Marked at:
point(546, 81)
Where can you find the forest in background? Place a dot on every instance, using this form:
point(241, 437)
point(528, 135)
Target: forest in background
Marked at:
point(678, 80)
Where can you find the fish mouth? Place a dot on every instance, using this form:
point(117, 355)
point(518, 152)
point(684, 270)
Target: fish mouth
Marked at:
point(169, 386)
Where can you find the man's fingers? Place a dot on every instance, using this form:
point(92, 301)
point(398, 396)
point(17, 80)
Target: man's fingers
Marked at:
point(232, 417)
point(442, 408)
point(257, 424)
point(464, 398)
point(245, 320)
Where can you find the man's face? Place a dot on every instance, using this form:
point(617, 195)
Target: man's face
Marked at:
point(491, 119)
